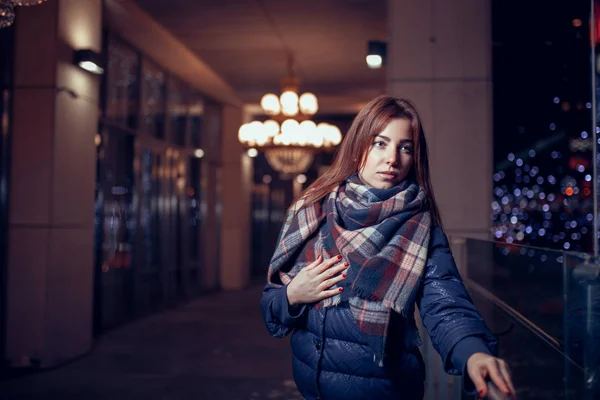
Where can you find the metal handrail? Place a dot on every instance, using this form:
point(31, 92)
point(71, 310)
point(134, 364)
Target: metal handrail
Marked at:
point(494, 393)
point(519, 319)
point(568, 253)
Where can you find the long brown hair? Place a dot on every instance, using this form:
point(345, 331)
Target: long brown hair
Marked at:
point(351, 156)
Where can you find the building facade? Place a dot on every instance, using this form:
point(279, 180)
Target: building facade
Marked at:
point(113, 204)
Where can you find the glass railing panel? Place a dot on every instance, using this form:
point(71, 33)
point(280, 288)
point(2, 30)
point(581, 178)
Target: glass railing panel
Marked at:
point(544, 306)
point(581, 326)
point(529, 280)
point(539, 371)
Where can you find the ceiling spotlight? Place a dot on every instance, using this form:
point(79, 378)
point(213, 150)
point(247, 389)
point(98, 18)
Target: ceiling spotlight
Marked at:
point(376, 54)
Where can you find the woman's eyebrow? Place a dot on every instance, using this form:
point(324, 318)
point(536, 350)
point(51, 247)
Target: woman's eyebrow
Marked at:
point(387, 139)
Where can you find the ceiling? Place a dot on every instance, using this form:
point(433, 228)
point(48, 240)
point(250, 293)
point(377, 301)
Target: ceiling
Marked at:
point(247, 42)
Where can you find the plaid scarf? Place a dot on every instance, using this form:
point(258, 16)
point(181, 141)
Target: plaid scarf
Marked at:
point(382, 233)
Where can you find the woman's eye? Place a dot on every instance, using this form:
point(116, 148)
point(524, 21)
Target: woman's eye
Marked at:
point(378, 144)
point(407, 149)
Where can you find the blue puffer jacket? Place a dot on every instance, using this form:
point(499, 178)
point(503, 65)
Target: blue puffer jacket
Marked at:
point(332, 360)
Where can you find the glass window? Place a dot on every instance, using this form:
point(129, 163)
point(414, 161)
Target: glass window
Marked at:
point(116, 226)
point(122, 84)
point(150, 210)
point(194, 201)
point(196, 119)
point(153, 100)
point(174, 205)
point(178, 110)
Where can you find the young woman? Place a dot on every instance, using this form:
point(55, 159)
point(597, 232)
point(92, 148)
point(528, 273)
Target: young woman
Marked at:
point(362, 246)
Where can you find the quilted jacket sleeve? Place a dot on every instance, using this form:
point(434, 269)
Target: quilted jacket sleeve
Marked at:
point(456, 329)
point(280, 318)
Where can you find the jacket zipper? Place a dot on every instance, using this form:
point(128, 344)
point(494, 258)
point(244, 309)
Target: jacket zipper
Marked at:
point(321, 354)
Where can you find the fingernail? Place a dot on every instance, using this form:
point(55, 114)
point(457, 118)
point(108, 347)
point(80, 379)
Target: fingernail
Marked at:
point(344, 275)
point(346, 264)
point(341, 289)
point(339, 257)
point(481, 394)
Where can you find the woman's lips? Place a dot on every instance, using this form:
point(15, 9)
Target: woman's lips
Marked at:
point(387, 175)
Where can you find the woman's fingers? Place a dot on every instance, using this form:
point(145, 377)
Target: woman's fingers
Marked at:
point(505, 371)
point(478, 379)
point(481, 366)
point(315, 263)
point(325, 265)
point(329, 293)
point(334, 270)
point(498, 378)
point(332, 281)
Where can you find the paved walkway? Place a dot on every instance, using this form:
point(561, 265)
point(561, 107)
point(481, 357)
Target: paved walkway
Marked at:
point(215, 347)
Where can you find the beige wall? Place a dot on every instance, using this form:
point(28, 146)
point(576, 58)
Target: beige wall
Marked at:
point(50, 263)
point(236, 228)
point(439, 56)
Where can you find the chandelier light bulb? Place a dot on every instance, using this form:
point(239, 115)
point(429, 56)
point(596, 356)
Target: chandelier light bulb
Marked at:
point(330, 133)
point(271, 128)
point(289, 103)
point(307, 128)
point(308, 125)
point(244, 133)
point(255, 127)
point(270, 104)
point(286, 139)
point(316, 136)
point(289, 126)
point(261, 137)
point(308, 104)
point(290, 112)
point(318, 141)
point(302, 138)
point(336, 135)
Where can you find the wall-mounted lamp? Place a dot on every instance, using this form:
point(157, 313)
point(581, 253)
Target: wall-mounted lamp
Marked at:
point(376, 54)
point(89, 60)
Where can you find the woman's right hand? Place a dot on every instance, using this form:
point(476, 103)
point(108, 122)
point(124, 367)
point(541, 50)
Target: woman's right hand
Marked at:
point(313, 283)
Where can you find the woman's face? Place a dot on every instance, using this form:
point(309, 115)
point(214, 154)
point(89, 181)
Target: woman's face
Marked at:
point(390, 156)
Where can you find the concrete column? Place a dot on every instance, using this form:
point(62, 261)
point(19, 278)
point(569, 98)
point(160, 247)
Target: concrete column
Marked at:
point(439, 56)
point(53, 161)
point(236, 229)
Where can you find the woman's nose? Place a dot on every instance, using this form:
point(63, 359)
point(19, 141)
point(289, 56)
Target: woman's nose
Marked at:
point(392, 158)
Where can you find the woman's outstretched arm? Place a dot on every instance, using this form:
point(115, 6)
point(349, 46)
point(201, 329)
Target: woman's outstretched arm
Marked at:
point(456, 328)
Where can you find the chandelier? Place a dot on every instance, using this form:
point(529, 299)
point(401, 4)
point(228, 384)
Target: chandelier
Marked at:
point(7, 10)
point(289, 138)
